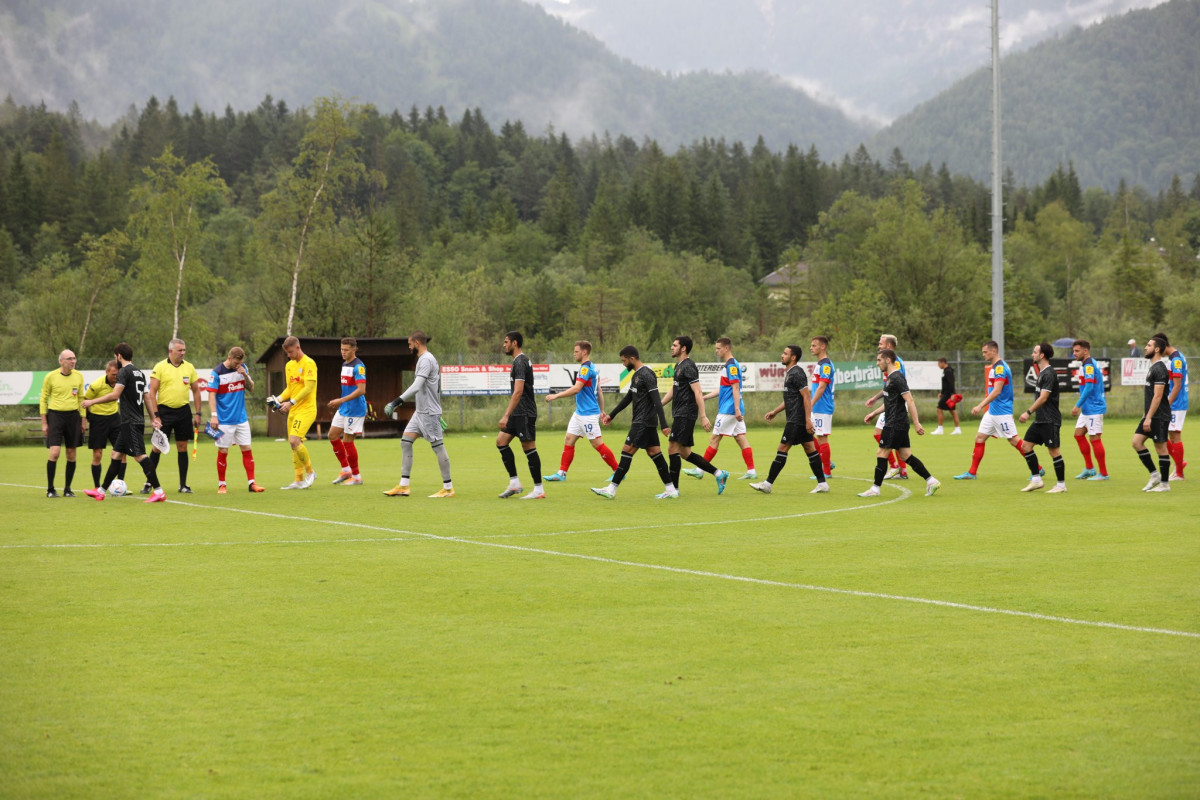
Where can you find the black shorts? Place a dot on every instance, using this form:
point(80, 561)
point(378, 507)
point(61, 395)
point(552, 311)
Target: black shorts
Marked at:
point(103, 430)
point(683, 431)
point(63, 428)
point(795, 433)
point(177, 422)
point(944, 403)
point(131, 440)
point(643, 436)
point(1158, 430)
point(1043, 433)
point(894, 439)
point(523, 428)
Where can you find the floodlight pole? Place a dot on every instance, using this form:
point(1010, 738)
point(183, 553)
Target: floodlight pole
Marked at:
point(997, 190)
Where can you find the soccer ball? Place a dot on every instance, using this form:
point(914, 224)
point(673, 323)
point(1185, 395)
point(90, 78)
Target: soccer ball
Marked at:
point(118, 488)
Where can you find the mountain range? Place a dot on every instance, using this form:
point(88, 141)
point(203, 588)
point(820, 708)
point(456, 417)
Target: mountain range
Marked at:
point(1120, 99)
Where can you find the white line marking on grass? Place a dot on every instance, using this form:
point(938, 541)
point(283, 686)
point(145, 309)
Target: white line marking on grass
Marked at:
point(639, 565)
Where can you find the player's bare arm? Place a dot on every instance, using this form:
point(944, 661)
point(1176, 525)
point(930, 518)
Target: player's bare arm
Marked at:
point(912, 413)
point(518, 390)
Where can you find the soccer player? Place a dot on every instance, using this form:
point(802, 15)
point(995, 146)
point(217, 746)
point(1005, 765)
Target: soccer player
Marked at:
point(797, 403)
point(731, 411)
point(299, 401)
point(1178, 398)
point(648, 418)
point(822, 400)
point(996, 407)
point(947, 400)
point(103, 423)
point(520, 421)
point(1090, 409)
point(1047, 423)
point(896, 469)
point(589, 405)
point(1157, 419)
point(426, 420)
point(61, 423)
point(171, 381)
point(351, 414)
point(132, 439)
point(227, 411)
point(687, 403)
point(898, 408)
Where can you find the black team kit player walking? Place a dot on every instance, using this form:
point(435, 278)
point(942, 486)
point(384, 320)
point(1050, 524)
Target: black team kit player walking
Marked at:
point(898, 405)
point(520, 421)
point(687, 402)
point(797, 405)
point(648, 419)
point(1154, 423)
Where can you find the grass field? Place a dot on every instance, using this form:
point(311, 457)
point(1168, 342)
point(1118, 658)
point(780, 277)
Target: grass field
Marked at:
point(338, 643)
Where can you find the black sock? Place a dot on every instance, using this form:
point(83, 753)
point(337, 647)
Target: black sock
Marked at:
point(1032, 461)
point(881, 467)
point(151, 472)
point(777, 466)
point(510, 461)
point(1144, 455)
point(115, 470)
point(51, 468)
point(1164, 469)
point(96, 475)
point(702, 463)
point(676, 467)
point(814, 463)
point(918, 466)
point(535, 465)
point(70, 475)
point(622, 468)
point(124, 466)
point(664, 474)
point(183, 466)
point(1060, 469)
point(154, 457)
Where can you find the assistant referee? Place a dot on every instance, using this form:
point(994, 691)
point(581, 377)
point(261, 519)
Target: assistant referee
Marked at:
point(61, 424)
point(171, 382)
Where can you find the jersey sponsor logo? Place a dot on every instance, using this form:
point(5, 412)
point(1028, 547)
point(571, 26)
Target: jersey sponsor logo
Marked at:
point(1089, 370)
point(999, 370)
point(733, 372)
point(825, 370)
point(362, 371)
point(584, 372)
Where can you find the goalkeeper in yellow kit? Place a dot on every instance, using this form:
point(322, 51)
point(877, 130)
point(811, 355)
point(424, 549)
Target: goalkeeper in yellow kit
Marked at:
point(299, 400)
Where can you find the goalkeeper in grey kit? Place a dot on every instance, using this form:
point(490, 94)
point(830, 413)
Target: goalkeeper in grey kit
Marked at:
point(426, 421)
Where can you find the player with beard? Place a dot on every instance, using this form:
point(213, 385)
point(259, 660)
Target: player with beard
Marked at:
point(797, 404)
point(898, 407)
point(1047, 423)
point(687, 403)
point(648, 419)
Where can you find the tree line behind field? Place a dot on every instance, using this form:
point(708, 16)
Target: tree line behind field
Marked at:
point(349, 221)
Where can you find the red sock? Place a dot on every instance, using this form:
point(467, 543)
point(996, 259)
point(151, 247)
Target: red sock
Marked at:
point(1098, 449)
point(903, 466)
point(878, 436)
point(608, 456)
point(248, 463)
point(709, 453)
point(1082, 441)
point(748, 457)
point(823, 449)
point(892, 459)
point(352, 457)
point(976, 457)
point(339, 450)
point(1176, 451)
point(222, 462)
point(568, 455)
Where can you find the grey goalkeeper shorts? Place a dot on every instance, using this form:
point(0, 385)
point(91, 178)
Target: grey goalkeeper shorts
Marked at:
point(427, 426)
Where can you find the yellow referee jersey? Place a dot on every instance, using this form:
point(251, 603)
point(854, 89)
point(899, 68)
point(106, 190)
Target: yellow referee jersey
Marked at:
point(301, 384)
point(99, 388)
point(61, 392)
point(174, 383)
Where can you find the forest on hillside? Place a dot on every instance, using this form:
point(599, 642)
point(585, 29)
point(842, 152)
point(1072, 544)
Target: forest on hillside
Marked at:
point(342, 220)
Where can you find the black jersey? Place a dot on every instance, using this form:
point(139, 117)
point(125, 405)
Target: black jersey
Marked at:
point(895, 408)
point(683, 398)
point(647, 404)
point(1047, 381)
point(947, 382)
point(1158, 375)
point(522, 370)
point(132, 395)
point(794, 384)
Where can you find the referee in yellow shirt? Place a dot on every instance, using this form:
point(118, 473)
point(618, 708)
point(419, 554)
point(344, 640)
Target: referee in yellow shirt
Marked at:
point(299, 400)
point(61, 424)
point(171, 382)
point(104, 424)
